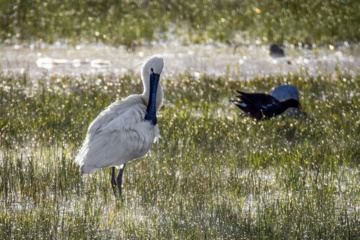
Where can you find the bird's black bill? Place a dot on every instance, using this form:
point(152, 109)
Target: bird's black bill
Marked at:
point(154, 77)
point(151, 109)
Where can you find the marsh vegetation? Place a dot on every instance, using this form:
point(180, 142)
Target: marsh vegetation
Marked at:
point(214, 173)
point(133, 23)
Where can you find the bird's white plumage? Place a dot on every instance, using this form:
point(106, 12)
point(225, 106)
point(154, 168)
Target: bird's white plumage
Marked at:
point(120, 134)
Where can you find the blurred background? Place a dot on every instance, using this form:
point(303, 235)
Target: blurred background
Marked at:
point(217, 38)
point(133, 23)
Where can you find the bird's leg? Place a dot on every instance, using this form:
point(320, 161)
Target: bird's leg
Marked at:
point(119, 178)
point(113, 181)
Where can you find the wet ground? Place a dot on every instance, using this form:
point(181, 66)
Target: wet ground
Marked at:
point(235, 62)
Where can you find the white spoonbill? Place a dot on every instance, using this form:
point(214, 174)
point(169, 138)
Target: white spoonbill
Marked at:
point(126, 129)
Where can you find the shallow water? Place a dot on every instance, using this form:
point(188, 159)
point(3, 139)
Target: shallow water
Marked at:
point(237, 63)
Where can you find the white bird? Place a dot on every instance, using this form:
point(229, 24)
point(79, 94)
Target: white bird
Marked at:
point(125, 130)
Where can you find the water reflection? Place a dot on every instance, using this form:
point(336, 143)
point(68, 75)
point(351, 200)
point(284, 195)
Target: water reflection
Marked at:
point(237, 63)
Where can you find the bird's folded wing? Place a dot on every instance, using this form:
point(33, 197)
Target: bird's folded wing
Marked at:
point(124, 138)
point(117, 109)
point(256, 99)
point(117, 148)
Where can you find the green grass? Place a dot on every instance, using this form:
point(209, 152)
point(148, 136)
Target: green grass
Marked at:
point(214, 174)
point(133, 23)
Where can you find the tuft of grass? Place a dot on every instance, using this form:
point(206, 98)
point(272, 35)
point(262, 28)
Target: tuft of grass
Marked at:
point(214, 174)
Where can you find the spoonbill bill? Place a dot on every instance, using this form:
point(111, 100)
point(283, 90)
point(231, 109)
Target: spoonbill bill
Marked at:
point(125, 130)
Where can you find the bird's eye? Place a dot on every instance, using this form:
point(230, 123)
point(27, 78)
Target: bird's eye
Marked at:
point(152, 70)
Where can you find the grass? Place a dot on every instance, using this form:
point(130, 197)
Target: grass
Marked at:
point(133, 23)
point(214, 174)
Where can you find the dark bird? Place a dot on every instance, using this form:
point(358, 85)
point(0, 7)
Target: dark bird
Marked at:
point(276, 51)
point(262, 106)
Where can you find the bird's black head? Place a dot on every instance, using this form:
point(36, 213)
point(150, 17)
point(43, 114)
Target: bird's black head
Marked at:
point(293, 103)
